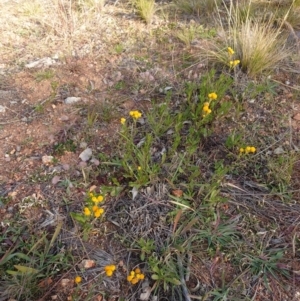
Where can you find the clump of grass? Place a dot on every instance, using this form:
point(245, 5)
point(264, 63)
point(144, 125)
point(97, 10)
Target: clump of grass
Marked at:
point(257, 43)
point(197, 7)
point(44, 74)
point(146, 9)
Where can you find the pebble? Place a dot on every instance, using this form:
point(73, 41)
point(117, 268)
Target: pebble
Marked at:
point(71, 100)
point(44, 62)
point(47, 160)
point(86, 154)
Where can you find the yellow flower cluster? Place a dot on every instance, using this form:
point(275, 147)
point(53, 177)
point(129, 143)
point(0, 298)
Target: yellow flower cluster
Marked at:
point(97, 211)
point(109, 270)
point(123, 120)
point(77, 279)
point(234, 63)
point(95, 200)
point(247, 150)
point(230, 51)
point(212, 96)
point(135, 114)
point(206, 109)
point(135, 276)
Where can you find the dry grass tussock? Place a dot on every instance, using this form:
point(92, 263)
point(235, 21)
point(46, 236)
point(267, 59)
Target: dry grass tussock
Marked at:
point(258, 44)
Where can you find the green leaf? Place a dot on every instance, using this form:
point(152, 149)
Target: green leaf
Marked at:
point(9, 257)
point(155, 277)
point(78, 217)
point(25, 270)
point(174, 281)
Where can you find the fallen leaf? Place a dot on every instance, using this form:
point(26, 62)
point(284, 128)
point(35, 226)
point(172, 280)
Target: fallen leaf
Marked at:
point(177, 192)
point(297, 117)
point(45, 283)
point(55, 180)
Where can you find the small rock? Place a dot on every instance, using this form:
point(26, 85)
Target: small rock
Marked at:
point(47, 160)
point(71, 100)
point(278, 151)
point(87, 264)
point(95, 161)
point(18, 147)
point(2, 109)
point(83, 144)
point(64, 118)
point(82, 164)
point(86, 154)
point(44, 62)
point(65, 282)
point(66, 166)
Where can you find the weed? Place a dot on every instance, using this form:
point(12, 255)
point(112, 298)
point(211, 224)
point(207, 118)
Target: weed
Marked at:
point(92, 116)
point(119, 48)
point(146, 9)
point(43, 75)
point(119, 85)
point(28, 262)
point(164, 271)
point(91, 212)
point(197, 7)
point(67, 146)
point(267, 264)
point(146, 246)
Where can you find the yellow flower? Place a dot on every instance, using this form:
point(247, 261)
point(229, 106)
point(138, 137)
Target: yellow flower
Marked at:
point(205, 108)
point(109, 269)
point(241, 150)
point(77, 279)
point(234, 63)
point(95, 208)
point(206, 104)
point(99, 212)
point(123, 120)
point(247, 149)
point(100, 198)
point(94, 199)
point(212, 96)
point(134, 280)
point(252, 149)
point(140, 276)
point(209, 111)
point(135, 276)
point(135, 114)
point(230, 51)
point(86, 211)
point(139, 168)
